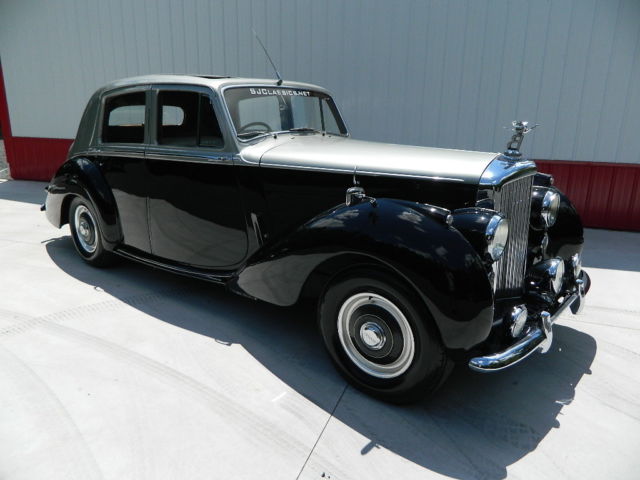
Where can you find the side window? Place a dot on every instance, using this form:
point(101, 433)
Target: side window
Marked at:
point(329, 118)
point(187, 119)
point(124, 117)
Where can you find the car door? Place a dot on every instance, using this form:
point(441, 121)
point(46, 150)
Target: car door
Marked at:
point(196, 215)
point(119, 154)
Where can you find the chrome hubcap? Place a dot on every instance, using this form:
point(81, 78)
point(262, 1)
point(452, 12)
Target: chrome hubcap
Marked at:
point(85, 229)
point(372, 335)
point(375, 335)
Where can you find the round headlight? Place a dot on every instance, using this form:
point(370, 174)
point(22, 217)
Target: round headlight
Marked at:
point(550, 205)
point(497, 234)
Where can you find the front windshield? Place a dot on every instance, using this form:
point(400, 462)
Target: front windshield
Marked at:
point(258, 111)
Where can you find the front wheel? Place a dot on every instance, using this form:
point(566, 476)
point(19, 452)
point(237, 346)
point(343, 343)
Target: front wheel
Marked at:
point(382, 339)
point(86, 235)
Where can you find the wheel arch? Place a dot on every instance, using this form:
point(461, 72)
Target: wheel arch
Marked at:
point(80, 177)
point(431, 258)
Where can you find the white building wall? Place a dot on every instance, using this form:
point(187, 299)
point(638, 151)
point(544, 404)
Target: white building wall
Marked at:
point(441, 73)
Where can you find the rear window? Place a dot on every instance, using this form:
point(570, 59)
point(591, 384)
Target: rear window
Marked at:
point(124, 118)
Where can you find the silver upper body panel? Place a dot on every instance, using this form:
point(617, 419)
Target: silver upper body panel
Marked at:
point(316, 152)
point(343, 154)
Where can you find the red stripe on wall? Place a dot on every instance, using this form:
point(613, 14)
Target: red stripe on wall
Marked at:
point(37, 158)
point(605, 194)
point(30, 158)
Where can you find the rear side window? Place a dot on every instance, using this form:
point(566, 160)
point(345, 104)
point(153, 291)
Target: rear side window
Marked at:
point(124, 117)
point(187, 119)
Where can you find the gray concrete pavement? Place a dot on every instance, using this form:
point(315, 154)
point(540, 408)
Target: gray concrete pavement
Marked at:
point(133, 373)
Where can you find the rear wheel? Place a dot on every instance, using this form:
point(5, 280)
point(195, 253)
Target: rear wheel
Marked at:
point(382, 339)
point(86, 235)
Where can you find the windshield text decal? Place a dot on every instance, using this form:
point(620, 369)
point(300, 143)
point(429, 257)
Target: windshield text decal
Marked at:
point(278, 91)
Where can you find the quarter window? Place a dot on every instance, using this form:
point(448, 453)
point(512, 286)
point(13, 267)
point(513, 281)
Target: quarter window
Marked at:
point(124, 117)
point(187, 119)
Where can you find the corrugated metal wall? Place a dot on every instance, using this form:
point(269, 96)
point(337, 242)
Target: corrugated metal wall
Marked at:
point(443, 73)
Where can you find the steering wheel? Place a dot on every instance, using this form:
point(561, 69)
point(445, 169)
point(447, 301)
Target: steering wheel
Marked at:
point(244, 128)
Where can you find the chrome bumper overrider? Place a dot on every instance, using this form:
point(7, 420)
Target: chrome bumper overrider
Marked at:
point(539, 337)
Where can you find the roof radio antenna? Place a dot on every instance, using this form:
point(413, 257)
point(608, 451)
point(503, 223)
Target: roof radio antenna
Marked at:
point(268, 56)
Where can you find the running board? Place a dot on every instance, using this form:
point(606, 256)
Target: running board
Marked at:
point(218, 278)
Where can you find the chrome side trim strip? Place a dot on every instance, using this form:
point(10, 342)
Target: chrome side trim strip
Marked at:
point(360, 172)
point(177, 157)
point(103, 152)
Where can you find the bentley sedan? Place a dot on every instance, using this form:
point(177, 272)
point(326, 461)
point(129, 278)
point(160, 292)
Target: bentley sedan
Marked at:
point(416, 257)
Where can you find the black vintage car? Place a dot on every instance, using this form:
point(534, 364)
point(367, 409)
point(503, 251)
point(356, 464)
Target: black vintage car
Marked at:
point(417, 257)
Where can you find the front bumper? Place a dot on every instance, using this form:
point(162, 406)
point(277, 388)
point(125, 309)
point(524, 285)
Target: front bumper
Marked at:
point(539, 337)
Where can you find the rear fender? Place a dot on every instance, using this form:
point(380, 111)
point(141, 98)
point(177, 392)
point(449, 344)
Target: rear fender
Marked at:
point(430, 256)
point(80, 177)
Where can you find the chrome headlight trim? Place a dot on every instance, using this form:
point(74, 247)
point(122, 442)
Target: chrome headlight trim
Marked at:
point(497, 234)
point(550, 206)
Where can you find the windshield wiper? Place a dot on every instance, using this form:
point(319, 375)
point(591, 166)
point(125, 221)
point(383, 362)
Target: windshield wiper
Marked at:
point(303, 129)
point(253, 134)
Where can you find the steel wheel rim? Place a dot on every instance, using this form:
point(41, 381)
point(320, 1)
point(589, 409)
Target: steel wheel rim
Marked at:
point(371, 338)
point(86, 230)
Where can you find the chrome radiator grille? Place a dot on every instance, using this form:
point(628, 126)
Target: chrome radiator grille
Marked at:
point(514, 201)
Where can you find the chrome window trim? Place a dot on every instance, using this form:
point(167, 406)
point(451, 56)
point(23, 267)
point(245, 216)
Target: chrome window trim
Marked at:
point(97, 135)
point(155, 88)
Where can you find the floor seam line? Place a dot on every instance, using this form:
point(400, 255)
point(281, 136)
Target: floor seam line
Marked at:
point(335, 407)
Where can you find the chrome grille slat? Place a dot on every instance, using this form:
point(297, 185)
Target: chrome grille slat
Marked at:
point(514, 201)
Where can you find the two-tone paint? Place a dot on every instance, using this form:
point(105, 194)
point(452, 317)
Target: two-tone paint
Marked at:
point(267, 218)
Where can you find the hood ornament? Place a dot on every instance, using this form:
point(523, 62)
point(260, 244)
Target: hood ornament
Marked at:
point(356, 194)
point(520, 129)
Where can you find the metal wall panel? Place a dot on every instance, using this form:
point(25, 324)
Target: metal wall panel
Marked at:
point(607, 195)
point(448, 74)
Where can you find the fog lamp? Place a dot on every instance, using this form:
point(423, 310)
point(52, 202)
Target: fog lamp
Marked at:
point(576, 264)
point(556, 274)
point(518, 317)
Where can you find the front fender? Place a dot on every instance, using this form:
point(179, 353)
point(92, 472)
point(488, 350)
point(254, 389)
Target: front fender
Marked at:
point(434, 258)
point(79, 176)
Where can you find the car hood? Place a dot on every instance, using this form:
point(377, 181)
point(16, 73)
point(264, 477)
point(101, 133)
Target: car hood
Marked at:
point(343, 154)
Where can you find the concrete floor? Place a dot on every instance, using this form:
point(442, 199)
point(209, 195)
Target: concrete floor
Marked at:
point(133, 373)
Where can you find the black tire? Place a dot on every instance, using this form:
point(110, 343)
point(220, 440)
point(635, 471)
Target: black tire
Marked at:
point(374, 354)
point(86, 235)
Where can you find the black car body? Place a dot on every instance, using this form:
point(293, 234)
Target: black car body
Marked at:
point(417, 256)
